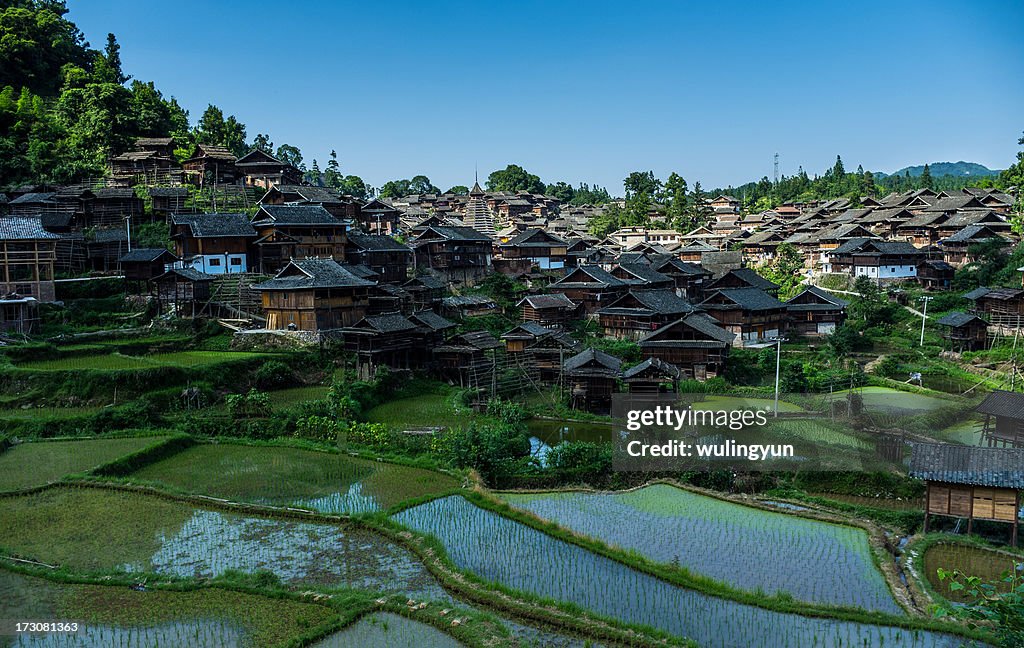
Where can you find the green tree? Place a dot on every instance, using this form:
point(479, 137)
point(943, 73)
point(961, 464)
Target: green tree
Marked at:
point(561, 190)
point(421, 184)
point(36, 42)
point(785, 269)
point(107, 65)
point(313, 176)
point(459, 190)
point(262, 143)
point(290, 155)
point(700, 212)
point(213, 128)
point(677, 206)
point(514, 178)
point(926, 182)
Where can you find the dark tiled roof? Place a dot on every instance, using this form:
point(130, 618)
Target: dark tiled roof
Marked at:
point(959, 464)
point(1003, 403)
point(971, 231)
point(699, 322)
point(523, 239)
point(526, 329)
point(460, 233)
point(14, 228)
point(376, 243)
point(599, 274)
point(144, 255)
point(386, 323)
point(360, 270)
point(432, 320)
point(109, 235)
point(977, 293)
point(749, 277)
point(659, 367)
point(833, 301)
point(479, 340)
point(607, 363)
point(555, 300)
point(215, 225)
point(644, 273)
point(956, 320)
point(881, 247)
point(313, 273)
point(115, 192)
point(458, 301)
point(168, 192)
point(32, 198)
point(427, 281)
point(295, 215)
point(661, 302)
point(186, 273)
point(749, 298)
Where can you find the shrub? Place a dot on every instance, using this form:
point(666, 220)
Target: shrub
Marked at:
point(272, 373)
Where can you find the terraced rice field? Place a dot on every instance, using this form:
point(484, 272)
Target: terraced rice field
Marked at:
point(745, 547)
point(729, 403)
point(974, 561)
point(892, 401)
point(119, 362)
point(30, 413)
point(37, 463)
point(387, 630)
point(118, 616)
point(331, 483)
point(528, 560)
point(89, 529)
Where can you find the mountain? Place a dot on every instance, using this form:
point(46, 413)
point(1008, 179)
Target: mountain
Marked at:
point(939, 169)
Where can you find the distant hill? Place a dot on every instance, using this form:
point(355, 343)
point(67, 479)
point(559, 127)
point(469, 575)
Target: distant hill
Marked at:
point(939, 169)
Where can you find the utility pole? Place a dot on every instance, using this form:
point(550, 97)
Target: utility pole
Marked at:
point(128, 228)
point(778, 362)
point(924, 316)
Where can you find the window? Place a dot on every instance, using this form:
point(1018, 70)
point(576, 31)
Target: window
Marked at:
point(214, 262)
point(236, 261)
point(894, 269)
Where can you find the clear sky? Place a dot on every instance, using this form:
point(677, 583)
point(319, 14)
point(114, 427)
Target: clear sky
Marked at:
point(589, 91)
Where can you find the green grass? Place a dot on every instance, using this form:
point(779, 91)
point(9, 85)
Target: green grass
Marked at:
point(427, 410)
point(30, 413)
point(119, 362)
point(282, 398)
point(35, 464)
point(329, 482)
point(729, 403)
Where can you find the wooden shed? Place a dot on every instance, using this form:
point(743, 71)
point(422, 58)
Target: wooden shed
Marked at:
point(593, 375)
point(965, 331)
point(970, 482)
point(652, 376)
point(1004, 419)
point(183, 291)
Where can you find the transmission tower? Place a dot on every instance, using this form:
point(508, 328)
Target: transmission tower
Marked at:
point(776, 168)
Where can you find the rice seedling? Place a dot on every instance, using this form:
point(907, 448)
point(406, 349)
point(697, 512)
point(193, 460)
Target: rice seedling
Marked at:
point(745, 547)
point(973, 561)
point(387, 630)
point(120, 362)
point(327, 482)
point(525, 559)
point(34, 464)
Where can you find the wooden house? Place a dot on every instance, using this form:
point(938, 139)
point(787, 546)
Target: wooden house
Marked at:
point(751, 313)
point(965, 331)
point(999, 306)
point(590, 286)
point(140, 167)
point(540, 348)
point(652, 376)
point(579, 251)
point(640, 274)
point(167, 200)
point(261, 169)
point(692, 252)
point(213, 243)
point(815, 312)
point(742, 278)
point(551, 311)
point(341, 207)
point(687, 278)
point(544, 250)
point(142, 265)
point(382, 340)
point(469, 358)
point(28, 254)
point(457, 253)
point(935, 274)
point(433, 331)
point(971, 483)
point(463, 306)
point(211, 165)
point(379, 217)
point(183, 291)
point(105, 247)
point(314, 295)
point(957, 248)
point(523, 336)
point(593, 377)
point(427, 291)
point(19, 315)
point(296, 232)
point(1004, 419)
point(382, 253)
point(696, 344)
point(882, 261)
point(639, 312)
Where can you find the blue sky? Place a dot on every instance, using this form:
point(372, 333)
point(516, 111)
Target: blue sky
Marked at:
point(589, 91)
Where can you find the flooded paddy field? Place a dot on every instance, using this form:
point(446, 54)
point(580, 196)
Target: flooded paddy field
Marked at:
point(95, 529)
point(498, 549)
point(745, 547)
point(327, 482)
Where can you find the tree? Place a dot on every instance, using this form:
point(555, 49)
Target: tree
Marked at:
point(313, 176)
point(214, 129)
point(421, 184)
point(151, 115)
point(354, 186)
point(514, 178)
point(785, 269)
point(36, 42)
point(926, 181)
point(606, 221)
point(262, 143)
point(700, 211)
point(459, 190)
point(395, 189)
point(290, 155)
point(676, 203)
point(107, 65)
point(563, 191)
